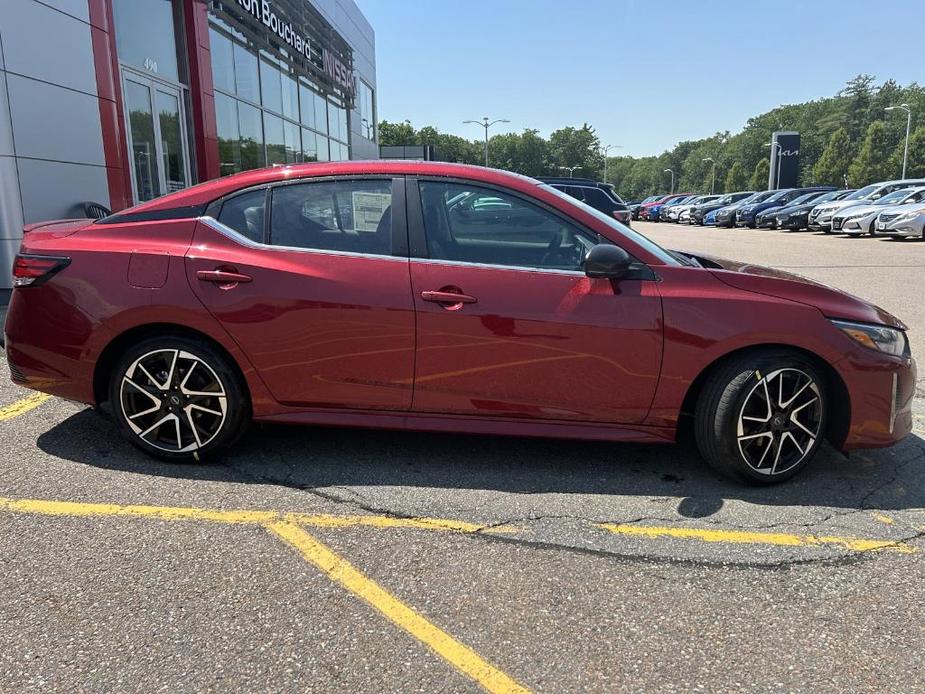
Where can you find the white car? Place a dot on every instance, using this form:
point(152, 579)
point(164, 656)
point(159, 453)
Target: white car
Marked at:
point(859, 218)
point(902, 225)
point(682, 213)
point(820, 218)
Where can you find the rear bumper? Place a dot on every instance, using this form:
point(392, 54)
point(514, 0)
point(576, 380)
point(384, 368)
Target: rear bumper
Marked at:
point(881, 390)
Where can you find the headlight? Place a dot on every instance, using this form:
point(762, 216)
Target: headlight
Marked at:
point(878, 337)
point(912, 214)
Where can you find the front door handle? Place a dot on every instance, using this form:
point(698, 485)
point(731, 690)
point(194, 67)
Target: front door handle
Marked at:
point(450, 298)
point(221, 277)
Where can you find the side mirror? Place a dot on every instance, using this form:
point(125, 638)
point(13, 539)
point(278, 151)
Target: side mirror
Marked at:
point(607, 261)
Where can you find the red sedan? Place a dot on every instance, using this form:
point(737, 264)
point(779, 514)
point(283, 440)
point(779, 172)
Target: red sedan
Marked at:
point(441, 297)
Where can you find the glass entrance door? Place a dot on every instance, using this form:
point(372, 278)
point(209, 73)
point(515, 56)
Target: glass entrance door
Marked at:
point(156, 127)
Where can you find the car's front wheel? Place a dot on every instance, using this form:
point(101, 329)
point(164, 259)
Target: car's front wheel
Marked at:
point(760, 417)
point(178, 398)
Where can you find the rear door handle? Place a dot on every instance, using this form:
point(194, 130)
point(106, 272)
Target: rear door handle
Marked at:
point(222, 276)
point(447, 297)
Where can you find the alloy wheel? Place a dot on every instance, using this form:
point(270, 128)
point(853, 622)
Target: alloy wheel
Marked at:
point(173, 400)
point(780, 421)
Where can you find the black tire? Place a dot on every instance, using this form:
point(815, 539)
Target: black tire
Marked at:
point(722, 403)
point(194, 401)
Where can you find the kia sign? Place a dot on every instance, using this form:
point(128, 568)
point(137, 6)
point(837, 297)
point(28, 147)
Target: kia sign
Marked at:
point(785, 160)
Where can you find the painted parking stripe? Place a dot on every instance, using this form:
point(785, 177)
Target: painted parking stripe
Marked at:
point(401, 615)
point(288, 527)
point(180, 513)
point(756, 538)
point(22, 406)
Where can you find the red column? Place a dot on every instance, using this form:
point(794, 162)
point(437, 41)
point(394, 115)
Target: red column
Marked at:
point(202, 96)
point(112, 117)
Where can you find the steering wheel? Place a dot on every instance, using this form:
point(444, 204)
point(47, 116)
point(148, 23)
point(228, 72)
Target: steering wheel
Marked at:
point(553, 248)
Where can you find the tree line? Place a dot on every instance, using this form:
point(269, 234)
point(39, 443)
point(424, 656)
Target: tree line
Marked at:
point(847, 139)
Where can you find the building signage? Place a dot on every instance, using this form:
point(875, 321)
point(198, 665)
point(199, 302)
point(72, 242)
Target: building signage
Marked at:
point(338, 72)
point(263, 11)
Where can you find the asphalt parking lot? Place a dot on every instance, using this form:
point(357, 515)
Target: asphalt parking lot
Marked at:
point(340, 560)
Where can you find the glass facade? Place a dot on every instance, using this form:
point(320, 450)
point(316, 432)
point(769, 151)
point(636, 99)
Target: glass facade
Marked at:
point(267, 113)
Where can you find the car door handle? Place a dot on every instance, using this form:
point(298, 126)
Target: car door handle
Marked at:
point(222, 276)
point(449, 298)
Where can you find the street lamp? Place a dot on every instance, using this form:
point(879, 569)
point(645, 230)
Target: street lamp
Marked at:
point(904, 107)
point(571, 169)
point(777, 173)
point(485, 123)
point(672, 178)
point(712, 180)
point(604, 151)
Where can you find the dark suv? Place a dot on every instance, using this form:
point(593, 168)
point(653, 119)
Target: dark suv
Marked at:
point(600, 196)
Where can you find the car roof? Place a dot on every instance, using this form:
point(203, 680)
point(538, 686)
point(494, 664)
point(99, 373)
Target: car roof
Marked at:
point(204, 193)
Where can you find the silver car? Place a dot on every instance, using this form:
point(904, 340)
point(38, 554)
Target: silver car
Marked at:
point(902, 225)
point(859, 219)
point(820, 218)
point(671, 213)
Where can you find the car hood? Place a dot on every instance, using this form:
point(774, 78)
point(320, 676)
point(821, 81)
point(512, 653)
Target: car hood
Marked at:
point(836, 205)
point(833, 303)
point(796, 209)
point(861, 210)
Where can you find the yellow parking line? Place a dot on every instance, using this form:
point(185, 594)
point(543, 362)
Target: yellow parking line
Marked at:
point(320, 520)
point(756, 538)
point(355, 581)
point(19, 407)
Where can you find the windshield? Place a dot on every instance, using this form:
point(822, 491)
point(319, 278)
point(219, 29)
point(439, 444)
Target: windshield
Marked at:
point(652, 247)
point(894, 197)
point(863, 192)
point(804, 198)
point(778, 195)
point(834, 195)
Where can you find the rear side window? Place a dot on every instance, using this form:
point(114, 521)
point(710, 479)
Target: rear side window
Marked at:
point(348, 216)
point(245, 214)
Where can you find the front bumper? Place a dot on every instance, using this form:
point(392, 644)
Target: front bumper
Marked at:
point(904, 230)
point(881, 389)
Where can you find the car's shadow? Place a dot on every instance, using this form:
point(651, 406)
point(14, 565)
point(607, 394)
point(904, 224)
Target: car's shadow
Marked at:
point(316, 457)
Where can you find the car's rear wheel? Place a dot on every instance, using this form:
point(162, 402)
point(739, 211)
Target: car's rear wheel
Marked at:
point(178, 399)
point(760, 418)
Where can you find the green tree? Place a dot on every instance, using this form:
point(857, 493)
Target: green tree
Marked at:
point(736, 179)
point(915, 166)
point(399, 134)
point(526, 153)
point(759, 179)
point(577, 147)
point(833, 165)
point(872, 162)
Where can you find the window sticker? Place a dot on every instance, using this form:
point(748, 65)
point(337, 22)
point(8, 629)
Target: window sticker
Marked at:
point(368, 209)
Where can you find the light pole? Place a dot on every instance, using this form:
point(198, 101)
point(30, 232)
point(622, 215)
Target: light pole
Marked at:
point(713, 179)
point(571, 169)
point(604, 151)
point(777, 173)
point(485, 123)
point(672, 178)
point(904, 107)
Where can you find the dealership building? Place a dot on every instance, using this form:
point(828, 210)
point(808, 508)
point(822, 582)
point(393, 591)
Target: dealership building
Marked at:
point(115, 102)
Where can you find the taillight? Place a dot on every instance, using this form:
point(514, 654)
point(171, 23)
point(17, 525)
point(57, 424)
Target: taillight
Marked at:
point(30, 270)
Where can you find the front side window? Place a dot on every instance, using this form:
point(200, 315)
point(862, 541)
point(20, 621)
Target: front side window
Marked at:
point(348, 216)
point(477, 225)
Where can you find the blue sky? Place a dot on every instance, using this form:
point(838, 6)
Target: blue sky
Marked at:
point(645, 73)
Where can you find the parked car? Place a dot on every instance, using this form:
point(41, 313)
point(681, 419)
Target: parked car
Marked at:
point(634, 208)
point(189, 315)
point(768, 218)
point(860, 219)
point(681, 213)
point(600, 196)
point(652, 211)
point(796, 216)
point(820, 219)
point(726, 217)
point(709, 219)
point(670, 213)
point(745, 215)
point(700, 211)
point(904, 225)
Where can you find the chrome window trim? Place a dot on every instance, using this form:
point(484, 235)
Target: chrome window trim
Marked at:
point(239, 238)
point(492, 266)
